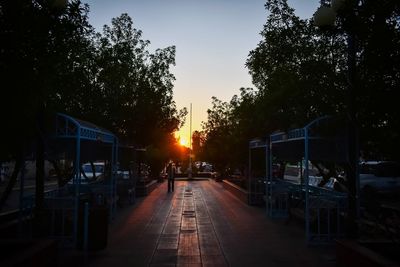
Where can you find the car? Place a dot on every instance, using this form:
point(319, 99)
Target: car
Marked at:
point(380, 176)
point(87, 176)
point(293, 174)
point(124, 175)
point(99, 169)
point(336, 184)
point(331, 183)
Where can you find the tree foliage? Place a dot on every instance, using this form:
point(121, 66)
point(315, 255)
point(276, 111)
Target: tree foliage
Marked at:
point(52, 60)
point(296, 69)
point(228, 130)
point(300, 72)
point(378, 74)
point(43, 55)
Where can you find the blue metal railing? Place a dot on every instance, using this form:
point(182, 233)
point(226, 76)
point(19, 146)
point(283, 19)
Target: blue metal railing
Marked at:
point(319, 205)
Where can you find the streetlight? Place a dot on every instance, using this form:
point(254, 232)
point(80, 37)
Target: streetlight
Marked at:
point(324, 17)
point(190, 145)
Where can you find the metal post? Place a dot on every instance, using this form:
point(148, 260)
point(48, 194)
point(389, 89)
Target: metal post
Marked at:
point(267, 171)
point(306, 156)
point(190, 145)
point(249, 177)
point(111, 185)
point(21, 197)
point(116, 173)
point(77, 181)
point(21, 186)
point(86, 227)
point(269, 185)
point(112, 190)
point(352, 174)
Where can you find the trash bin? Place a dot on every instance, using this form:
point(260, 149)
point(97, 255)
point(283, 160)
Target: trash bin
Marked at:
point(97, 226)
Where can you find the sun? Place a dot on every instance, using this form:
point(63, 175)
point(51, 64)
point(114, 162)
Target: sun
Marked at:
point(183, 142)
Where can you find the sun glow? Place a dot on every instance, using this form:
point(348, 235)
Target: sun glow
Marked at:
point(183, 142)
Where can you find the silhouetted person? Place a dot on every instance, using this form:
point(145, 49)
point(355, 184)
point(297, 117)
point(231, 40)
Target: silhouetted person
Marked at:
point(171, 176)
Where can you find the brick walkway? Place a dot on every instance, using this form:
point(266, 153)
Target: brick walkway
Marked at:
point(201, 224)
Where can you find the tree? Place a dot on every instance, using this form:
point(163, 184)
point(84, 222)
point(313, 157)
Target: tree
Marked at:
point(300, 73)
point(38, 46)
point(377, 29)
point(227, 131)
point(136, 89)
point(52, 60)
point(197, 144)
point(217, 130)
point(297, 71)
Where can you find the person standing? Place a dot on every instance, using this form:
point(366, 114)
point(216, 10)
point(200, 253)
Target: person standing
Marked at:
point(171, 176)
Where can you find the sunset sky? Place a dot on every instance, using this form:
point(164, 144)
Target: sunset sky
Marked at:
point(212, 38)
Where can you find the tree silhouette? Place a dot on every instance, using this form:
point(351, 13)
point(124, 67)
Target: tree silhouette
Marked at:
point(52, 60)
point(300, 74)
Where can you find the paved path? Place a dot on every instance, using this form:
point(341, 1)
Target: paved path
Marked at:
point(201, 224)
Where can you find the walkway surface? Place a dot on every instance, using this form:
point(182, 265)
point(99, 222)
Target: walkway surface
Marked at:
point(201, 224)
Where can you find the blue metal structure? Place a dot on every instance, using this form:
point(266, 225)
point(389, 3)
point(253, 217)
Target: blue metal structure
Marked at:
point(72, 199)
point(324, 209)
point(68, 127)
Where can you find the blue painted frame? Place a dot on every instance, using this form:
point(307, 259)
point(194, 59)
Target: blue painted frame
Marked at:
point(302, 134)
point(68, 127)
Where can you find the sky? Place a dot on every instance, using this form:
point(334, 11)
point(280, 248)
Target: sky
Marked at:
point(212, 37)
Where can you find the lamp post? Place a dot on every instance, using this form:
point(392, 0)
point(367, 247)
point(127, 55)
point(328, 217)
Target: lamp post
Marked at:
point(57, 8)
point(325, 16)
point(190, 145)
